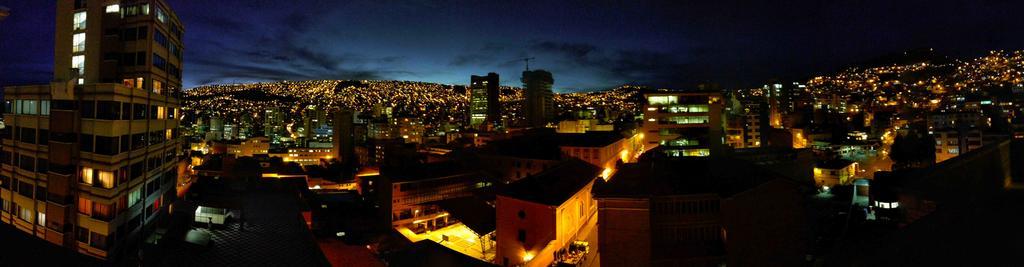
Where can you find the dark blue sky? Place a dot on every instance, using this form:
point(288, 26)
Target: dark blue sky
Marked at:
point(585, 44)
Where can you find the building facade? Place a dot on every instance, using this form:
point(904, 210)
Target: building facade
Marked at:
point(89, 161)
point(683, 123)
point(698, 212)
point(540, 106)
point(303, 155)
point(250, 147)
point(834, 172)
point(408, 196)
point(950, 143)
point(484, 106)
point(543, 219)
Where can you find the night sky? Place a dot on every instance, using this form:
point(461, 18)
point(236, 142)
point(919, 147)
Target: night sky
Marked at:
point(585, 44)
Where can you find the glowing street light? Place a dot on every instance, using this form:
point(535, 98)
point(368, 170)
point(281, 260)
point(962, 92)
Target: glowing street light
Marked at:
point(527, 256)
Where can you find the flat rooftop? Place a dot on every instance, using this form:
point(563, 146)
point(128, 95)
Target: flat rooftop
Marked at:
point(275, 234)
point(553, 186)
point(681, 176)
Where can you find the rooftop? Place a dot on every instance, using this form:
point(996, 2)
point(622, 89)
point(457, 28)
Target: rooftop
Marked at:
point(680, 176)
point(555, 185)
point(589, 139)
point(423, 171)
point(474, 212)
point(833, 164)
point(429, 253)
point(545, 144)
point(274, 234)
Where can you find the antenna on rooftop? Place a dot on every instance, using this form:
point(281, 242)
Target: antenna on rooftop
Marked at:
point(528, 62)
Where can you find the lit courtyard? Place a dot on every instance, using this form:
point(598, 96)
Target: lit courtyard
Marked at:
point(459, 238)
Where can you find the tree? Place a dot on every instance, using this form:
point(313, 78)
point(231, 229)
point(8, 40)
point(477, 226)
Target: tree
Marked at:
point(916, 149)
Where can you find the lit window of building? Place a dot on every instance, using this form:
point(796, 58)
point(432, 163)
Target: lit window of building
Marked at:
point(78, 63)
point(115, 8)
point(78, 43)
point(79, 21)
point(106, 179)
point(87, 176)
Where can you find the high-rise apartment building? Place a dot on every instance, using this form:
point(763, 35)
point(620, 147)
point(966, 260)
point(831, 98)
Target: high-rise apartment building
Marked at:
point(540, 107)
point(314, 120)
point(484, 106)
point(683, 123)
point(88, 161)
point(273, 125)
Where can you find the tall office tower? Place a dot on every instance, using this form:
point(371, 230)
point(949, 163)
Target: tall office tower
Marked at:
point(88, 161)
point(782, 96)
point(540, 108)
point(273, 125)
point(343, 139)
point(245, 128)
point(484, 106)
point(683, 123)
point(313, 118)
point(216, 129)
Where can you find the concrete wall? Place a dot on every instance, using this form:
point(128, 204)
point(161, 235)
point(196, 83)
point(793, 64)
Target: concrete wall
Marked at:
point(538, 222)
point(624, 229)
point(764, 226)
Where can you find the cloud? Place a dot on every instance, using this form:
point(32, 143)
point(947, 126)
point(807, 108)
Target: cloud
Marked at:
point(616, 66)
point(575, 51)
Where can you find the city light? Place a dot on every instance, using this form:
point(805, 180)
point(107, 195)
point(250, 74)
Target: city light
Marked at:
point(527, 256)
point(337, 134)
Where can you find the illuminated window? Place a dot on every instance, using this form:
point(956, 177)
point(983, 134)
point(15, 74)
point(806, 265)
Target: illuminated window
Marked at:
point(685, 108)
point(158, 87)
point(160, 16)
point(130, 83)
point(78, 62)
point(78, 44)
point(85, 206)
point(106, 179)
point(134, 197)
point(87, 175)
point(115, 8)
point(42, 219)
point(138, 82)
point(29, 107)
point(662, 100)
point(101, 210)
point(26, 214)
point(79, 20)
point(685, 120)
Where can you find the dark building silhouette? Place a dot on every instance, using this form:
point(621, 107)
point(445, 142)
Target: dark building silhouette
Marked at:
point(964, 211)
point(484, 106)
point(540, 107)
point(343, 136)
point(700, 211)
